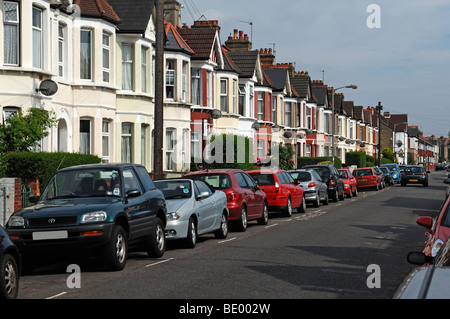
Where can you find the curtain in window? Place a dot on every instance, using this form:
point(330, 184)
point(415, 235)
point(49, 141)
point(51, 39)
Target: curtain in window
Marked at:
point(10, 33)
point(126, 143)
point(127, 67)
point(196, 97)
point(85, 136)
point(37, 38)
point(169, 150)
point(85, 55)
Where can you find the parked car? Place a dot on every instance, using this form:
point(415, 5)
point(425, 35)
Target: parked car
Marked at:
point(414, 174)
point(378, 171)
point(10, 265)
point(429, 281)
point(447, 181)
point(330, 175)
point(395, 171)
point(366, 177)
point(438, 229)
point(350, 184)
point(103, 208)
point(245, 200)
point(315, 190)
point(193, 209)
point(281, 190)
point(387, 176)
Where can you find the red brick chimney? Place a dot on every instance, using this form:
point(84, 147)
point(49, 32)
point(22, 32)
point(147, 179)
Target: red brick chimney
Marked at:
point(238, 42)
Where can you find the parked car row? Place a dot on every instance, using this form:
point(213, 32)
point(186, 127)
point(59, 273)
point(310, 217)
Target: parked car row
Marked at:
point(104, 209)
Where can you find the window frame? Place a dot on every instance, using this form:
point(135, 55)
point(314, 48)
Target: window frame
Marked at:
point(37, 60)
point(82, 66)
point(17, 40)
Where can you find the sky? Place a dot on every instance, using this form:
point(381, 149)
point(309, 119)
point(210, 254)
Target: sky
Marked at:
point(401, 58)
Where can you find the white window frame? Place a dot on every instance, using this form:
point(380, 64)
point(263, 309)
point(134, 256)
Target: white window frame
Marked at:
point(106, 140)
point(170, 149)
point(125, 138)
point(224, 95)
point(37, 37)
point(287, 114)
point(144, 68)
point(171, 79)
point(261, 105)
point(15, 41)
point(106, 51)
point(197, 94)
point(128, 86)
point(62, 29)
point(88, 72)
point(86, 149)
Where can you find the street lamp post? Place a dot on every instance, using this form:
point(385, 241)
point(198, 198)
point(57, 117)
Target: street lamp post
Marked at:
point(333, 124)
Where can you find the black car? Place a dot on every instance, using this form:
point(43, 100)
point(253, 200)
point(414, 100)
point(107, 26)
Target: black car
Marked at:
point(101, 209)
point(330, 176)
point(414, 174)
point(380, 173)
point(10, 263)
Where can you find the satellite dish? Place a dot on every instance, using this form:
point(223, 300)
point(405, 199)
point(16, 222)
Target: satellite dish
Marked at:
point(287, 135)
point(301, 136)
point(216, 114)
point(48, 88)
point(256, 126)
point(399, 144)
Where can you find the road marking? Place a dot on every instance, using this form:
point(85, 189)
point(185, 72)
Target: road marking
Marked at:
point(159, 262)
point(225, 241)
point(271, 225)
point(58, 295)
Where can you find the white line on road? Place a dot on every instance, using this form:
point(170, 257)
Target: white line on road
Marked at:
point(159, 262)
point(271, 225)
point(58, 295)
point(225, 241)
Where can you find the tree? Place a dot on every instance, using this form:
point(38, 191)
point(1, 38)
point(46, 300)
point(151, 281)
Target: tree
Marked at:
point(20, 133)
point(387, 153)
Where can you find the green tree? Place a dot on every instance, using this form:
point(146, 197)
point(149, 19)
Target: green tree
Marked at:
point(20, 133)
point(387, 153)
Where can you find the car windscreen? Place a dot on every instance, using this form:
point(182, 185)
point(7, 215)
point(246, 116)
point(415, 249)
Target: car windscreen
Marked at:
point(414, 169)
point(263, 179)
point(83, 183)
point(362, 172)
point(175, 189)
point(384, 170)
point(323, 172)
point(217, 181)
point(301, 176)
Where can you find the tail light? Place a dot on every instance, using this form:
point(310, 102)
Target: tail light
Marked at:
point(313, 184)
point(231, 197)
point(332, 182)
point(423, 175)
point(277, 187)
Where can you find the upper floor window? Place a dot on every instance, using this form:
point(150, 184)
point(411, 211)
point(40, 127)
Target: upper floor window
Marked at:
point(11, 34)
point(127, 67)
point(86, 55)
point(37, 38)
point(261, 102)
point(144, 51)
point(61, 50)
point(196, 87)
point(274, 109)
point(287, 114)
point(170, 79)
point(308, 118)
point(106, 55)
point(209, 86)
point(242, 97)
point(224, 95)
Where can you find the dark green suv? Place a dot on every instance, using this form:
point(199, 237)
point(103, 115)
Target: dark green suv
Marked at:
point(100, 209)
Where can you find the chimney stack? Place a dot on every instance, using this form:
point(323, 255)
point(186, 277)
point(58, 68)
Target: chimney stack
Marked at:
point(239, 42)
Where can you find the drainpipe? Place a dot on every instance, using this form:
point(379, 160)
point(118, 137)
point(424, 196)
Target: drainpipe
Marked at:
point(4, 190)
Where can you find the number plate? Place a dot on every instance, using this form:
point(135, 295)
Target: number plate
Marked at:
point(413, 180)
point(48, 235)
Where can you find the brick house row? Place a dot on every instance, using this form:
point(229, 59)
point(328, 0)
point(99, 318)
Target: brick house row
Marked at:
point(101, 55)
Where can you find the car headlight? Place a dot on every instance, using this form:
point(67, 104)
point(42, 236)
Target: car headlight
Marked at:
point(93, 217)
point(173, 216)
point(16, 221)
point(346, 185)
point(436, 246)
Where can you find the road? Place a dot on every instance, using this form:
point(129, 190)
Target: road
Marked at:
point(322, 254)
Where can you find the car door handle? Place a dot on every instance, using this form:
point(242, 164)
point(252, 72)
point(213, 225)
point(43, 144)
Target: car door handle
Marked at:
point(214, 203)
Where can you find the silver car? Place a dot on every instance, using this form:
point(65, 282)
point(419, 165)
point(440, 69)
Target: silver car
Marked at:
point(193, 209)
point(447, 181)
point(315, 190)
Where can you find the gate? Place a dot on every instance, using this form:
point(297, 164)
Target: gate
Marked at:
point(26, 193)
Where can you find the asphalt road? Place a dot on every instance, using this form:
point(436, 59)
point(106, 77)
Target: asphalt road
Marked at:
point(322, 254)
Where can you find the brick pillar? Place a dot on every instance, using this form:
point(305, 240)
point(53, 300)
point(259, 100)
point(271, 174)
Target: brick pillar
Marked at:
point(17, 194)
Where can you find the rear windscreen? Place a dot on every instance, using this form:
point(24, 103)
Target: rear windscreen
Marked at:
point(263, 179)
point(218, 181)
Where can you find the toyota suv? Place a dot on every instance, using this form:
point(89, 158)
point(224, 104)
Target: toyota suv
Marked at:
point(330, 175)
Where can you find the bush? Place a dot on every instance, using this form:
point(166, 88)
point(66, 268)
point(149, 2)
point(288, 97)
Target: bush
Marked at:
point(356, 158)
point(41, 166)
point(303, 161)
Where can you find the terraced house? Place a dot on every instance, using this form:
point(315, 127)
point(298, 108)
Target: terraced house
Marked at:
point(101, 56)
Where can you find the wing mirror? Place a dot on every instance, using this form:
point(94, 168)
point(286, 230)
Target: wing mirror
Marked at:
point(425, 221)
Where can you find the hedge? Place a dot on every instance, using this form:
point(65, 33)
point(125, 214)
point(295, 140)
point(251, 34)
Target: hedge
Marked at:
point(355, 158)
point(41, 166)
point(303, 161)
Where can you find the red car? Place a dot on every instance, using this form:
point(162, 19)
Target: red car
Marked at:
point(350, 184)
point(367, 177)
point(245, 200)
point(438, 229)
point(281, 190)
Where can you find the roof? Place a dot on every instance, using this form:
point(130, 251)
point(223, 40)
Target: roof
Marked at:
point(201, 40)
point(279, 78)
point(134, 15)
point(302, 84)
point(348, 107)
point(174, 42)
point(246, 61)
point(229, 64)
point(98, 9)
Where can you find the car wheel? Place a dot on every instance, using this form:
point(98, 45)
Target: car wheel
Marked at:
point(242, 223)
point(222, 233)
point(425, 184)
point(288, 208)
point(191, 239)
point(302, 207)
point(317, 202)
point(264, 219)
point(156, 245)
point(9, 277)
point(326, 200)
point(350, 193)
point(377, 188)
point(355, 193)
point(342, 196)
point(116, 251)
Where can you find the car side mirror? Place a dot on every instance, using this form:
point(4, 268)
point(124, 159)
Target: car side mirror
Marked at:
point(447, 181)
point(203, 195)
point(425, 221)
point(133, 193)
point(419, 259)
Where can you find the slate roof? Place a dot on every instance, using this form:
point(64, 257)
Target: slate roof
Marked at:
point(278, 77)
point(358, 112)
point(246, 61)
point(174, 42)
point(321, 94)
point(397, 119)
point(348, 107)
point(229, 64)
point(134, 14)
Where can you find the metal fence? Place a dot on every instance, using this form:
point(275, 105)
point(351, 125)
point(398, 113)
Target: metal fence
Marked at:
point(26, 193)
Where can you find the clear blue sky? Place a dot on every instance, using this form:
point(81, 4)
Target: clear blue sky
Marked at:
point(405, 64)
